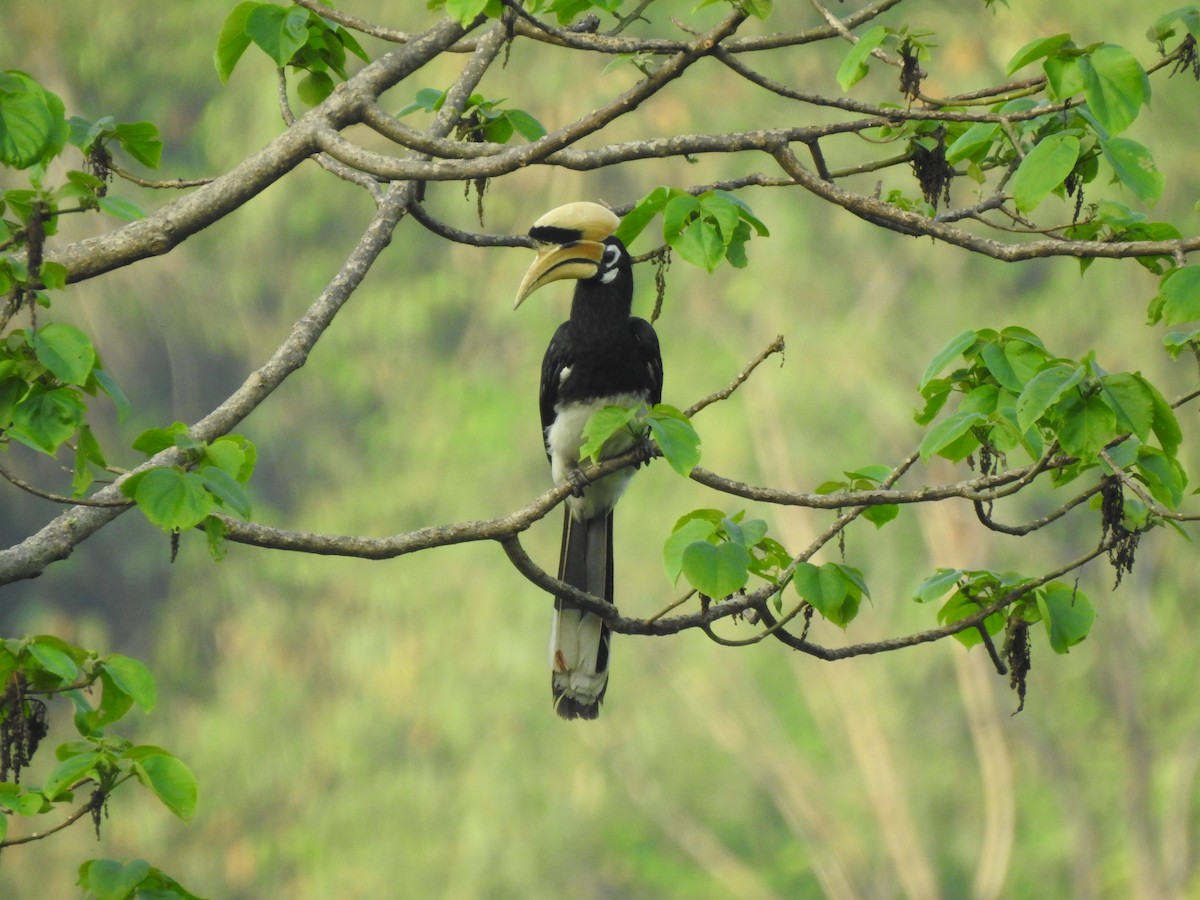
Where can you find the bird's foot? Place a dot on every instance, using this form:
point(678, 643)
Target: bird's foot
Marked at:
point(578, 482)
point(645, 448)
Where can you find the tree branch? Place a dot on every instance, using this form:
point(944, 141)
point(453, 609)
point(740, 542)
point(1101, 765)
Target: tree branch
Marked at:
point(160, 232)
point(975, 620)
point(512, 158)
point(776, 346)
point(58, 539)
point(885, 214)
point(70, 820)
point(528, 26)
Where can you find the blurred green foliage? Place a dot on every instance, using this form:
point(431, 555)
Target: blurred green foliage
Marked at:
point(384, 729)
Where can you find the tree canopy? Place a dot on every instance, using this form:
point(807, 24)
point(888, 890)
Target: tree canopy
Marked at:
point(706, 130)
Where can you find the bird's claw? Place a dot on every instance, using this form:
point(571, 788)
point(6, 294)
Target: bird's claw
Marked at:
point(578, 482)
point(645, 451)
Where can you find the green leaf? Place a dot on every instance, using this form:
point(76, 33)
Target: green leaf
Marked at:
point(976, 139)
point(314, 88)
point(109, 385)
point(233, 39)
point(525, 124)
point(951, 351)
point(982, 399)
point(20, 801)
point(876, 474)
point(32, 125)
point(720, 209)
point(170, 780)
point(735, 251)
point(350, 43)
point(1163, 476)
point(936, 585)
point(1175, 342)
point(114, 703)
point(684, 535)
point(1037, 49)
point(854, 66)
point(678, 441)
point(1115, 85)
point(946, 432)
point(1043, 391)
point(1134, 167)
point(1068, 615)
point(466, 11)
point(700, 244)
point(89, 447)
point(936, 393)
point(229, 453)
point(745, 213)
point(1087, 425)
point(227, 490)
point(1165, 424)
point(47, 418)
point(156, 440)
point(133, 678)
point(120, 208)
point(51, 654)
point(214, 534)
point(280, 31)
point(603, 424)
point(1132, 401)
point(172, 499)
point(68, 772)
point(833, 590)
point(636, 220)
point(1064, 76)
point(1043, 169)
point(881, 514)
point(107, 879)
point(716, 571)
point(498, 130)
point(1024, 356)
point(1179, 292)
point(54, 275)
point(994, 355)
point(141, 141)
point(752, 531)
point(65, 351)
point(427, 99)
point(87, 454)
point(678, 213)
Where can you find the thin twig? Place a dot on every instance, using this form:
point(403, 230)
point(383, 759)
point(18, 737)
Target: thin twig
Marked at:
point(776, 346)
point(974, 620)
point(58, 498)
point(38, 835)
point(675, 604)
point(171, 184)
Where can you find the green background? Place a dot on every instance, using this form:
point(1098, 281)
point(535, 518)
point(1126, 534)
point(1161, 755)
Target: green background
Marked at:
point(379, 729)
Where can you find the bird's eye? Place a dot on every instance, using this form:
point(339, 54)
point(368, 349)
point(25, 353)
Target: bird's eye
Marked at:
point(612, 253)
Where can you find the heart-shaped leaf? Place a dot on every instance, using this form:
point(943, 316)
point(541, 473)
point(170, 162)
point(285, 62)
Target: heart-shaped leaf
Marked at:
point(716, 570)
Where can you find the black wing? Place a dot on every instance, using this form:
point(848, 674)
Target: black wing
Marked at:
point(649, 355)
point(558, 357)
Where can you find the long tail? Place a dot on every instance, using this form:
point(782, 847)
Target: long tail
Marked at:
point(579, 640)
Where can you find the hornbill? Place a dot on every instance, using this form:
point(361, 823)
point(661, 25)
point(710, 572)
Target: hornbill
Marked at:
point(600, 356)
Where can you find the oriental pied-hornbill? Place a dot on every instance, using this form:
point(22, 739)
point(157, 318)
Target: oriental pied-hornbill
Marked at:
point(600, 356)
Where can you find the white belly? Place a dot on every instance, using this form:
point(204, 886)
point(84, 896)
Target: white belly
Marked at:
point(565, 438)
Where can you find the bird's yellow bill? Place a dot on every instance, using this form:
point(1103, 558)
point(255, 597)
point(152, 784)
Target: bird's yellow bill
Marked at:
point(556, 262)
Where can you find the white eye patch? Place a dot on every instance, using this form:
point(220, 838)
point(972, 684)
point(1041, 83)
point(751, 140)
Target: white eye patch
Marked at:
point(612, 254)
